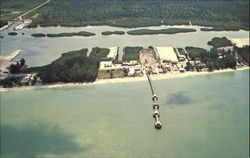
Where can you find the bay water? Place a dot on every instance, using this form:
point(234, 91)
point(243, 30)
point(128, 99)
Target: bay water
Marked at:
point(44, 50)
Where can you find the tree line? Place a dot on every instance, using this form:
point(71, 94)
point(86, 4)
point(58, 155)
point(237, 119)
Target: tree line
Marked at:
point(140, 12)
point(216, 59)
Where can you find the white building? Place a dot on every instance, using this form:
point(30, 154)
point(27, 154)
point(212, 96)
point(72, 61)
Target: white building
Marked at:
point(133, 71)
point(105, 64)
point(130, 62)
point(112, 52)
point(166, 54)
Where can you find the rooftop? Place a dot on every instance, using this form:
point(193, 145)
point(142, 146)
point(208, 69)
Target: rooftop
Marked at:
point(167, 53)
point(113, 52)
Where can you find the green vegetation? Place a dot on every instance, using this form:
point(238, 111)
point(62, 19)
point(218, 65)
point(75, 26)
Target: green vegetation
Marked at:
point(113, 73)
point(213, 62)
point(10, 9)
point(132, 13)
point(136, 13)
point(113, 32)
point(189, 67)
point(244, 53)
point(16, 68)
point(23, 5)
point(70, 55)
point(213, 59)
point(60, 61)
point(220, 42)
point(73, 66)
point(133, 22)
point(38, 35)
point(181, 51)
point(12, 33)
point(221, 29)
point(78, 69)
point(2, 23)
point(10, 81)
point(81, 33)
point(131, 53)
point(195, 52)
point(162, 31)
point(99, 52)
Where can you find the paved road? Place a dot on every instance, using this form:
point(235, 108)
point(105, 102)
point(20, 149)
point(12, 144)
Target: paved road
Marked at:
point(20, 17)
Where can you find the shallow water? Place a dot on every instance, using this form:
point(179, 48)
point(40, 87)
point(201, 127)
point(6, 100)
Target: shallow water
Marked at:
point(42, 51)
point(202, 116)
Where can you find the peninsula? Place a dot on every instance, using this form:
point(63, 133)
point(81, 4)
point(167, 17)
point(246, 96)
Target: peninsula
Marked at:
point(103, 63)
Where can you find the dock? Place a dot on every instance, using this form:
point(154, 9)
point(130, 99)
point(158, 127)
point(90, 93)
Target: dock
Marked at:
point(156, 105)
point(6, 61)
point(11, 56)
point(23, 24)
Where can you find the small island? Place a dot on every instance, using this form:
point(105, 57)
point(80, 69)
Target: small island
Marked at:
point(12, 33)
point(220, 42)
point(38, 35)
point(162, 31)
point(220, 29)
point(113, 33)
point(69, 34)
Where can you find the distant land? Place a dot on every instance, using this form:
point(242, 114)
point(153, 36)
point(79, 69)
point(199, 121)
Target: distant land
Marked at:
point(132, 13)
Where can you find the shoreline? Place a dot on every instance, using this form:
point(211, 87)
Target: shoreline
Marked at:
point(131, 27)
point(6, 26)
point(125, 79)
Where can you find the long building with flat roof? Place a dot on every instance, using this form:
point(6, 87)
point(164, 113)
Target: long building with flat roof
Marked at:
point(166, 53)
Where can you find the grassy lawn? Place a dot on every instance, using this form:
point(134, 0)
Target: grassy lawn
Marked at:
point(195, 52)
point(181, 51)
point(131, 53)
point(114, 73)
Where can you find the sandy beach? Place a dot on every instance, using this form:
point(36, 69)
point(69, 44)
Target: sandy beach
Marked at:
point(126, 79)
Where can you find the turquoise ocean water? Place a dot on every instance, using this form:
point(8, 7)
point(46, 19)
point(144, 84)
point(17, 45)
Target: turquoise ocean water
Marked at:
point(203, 117)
